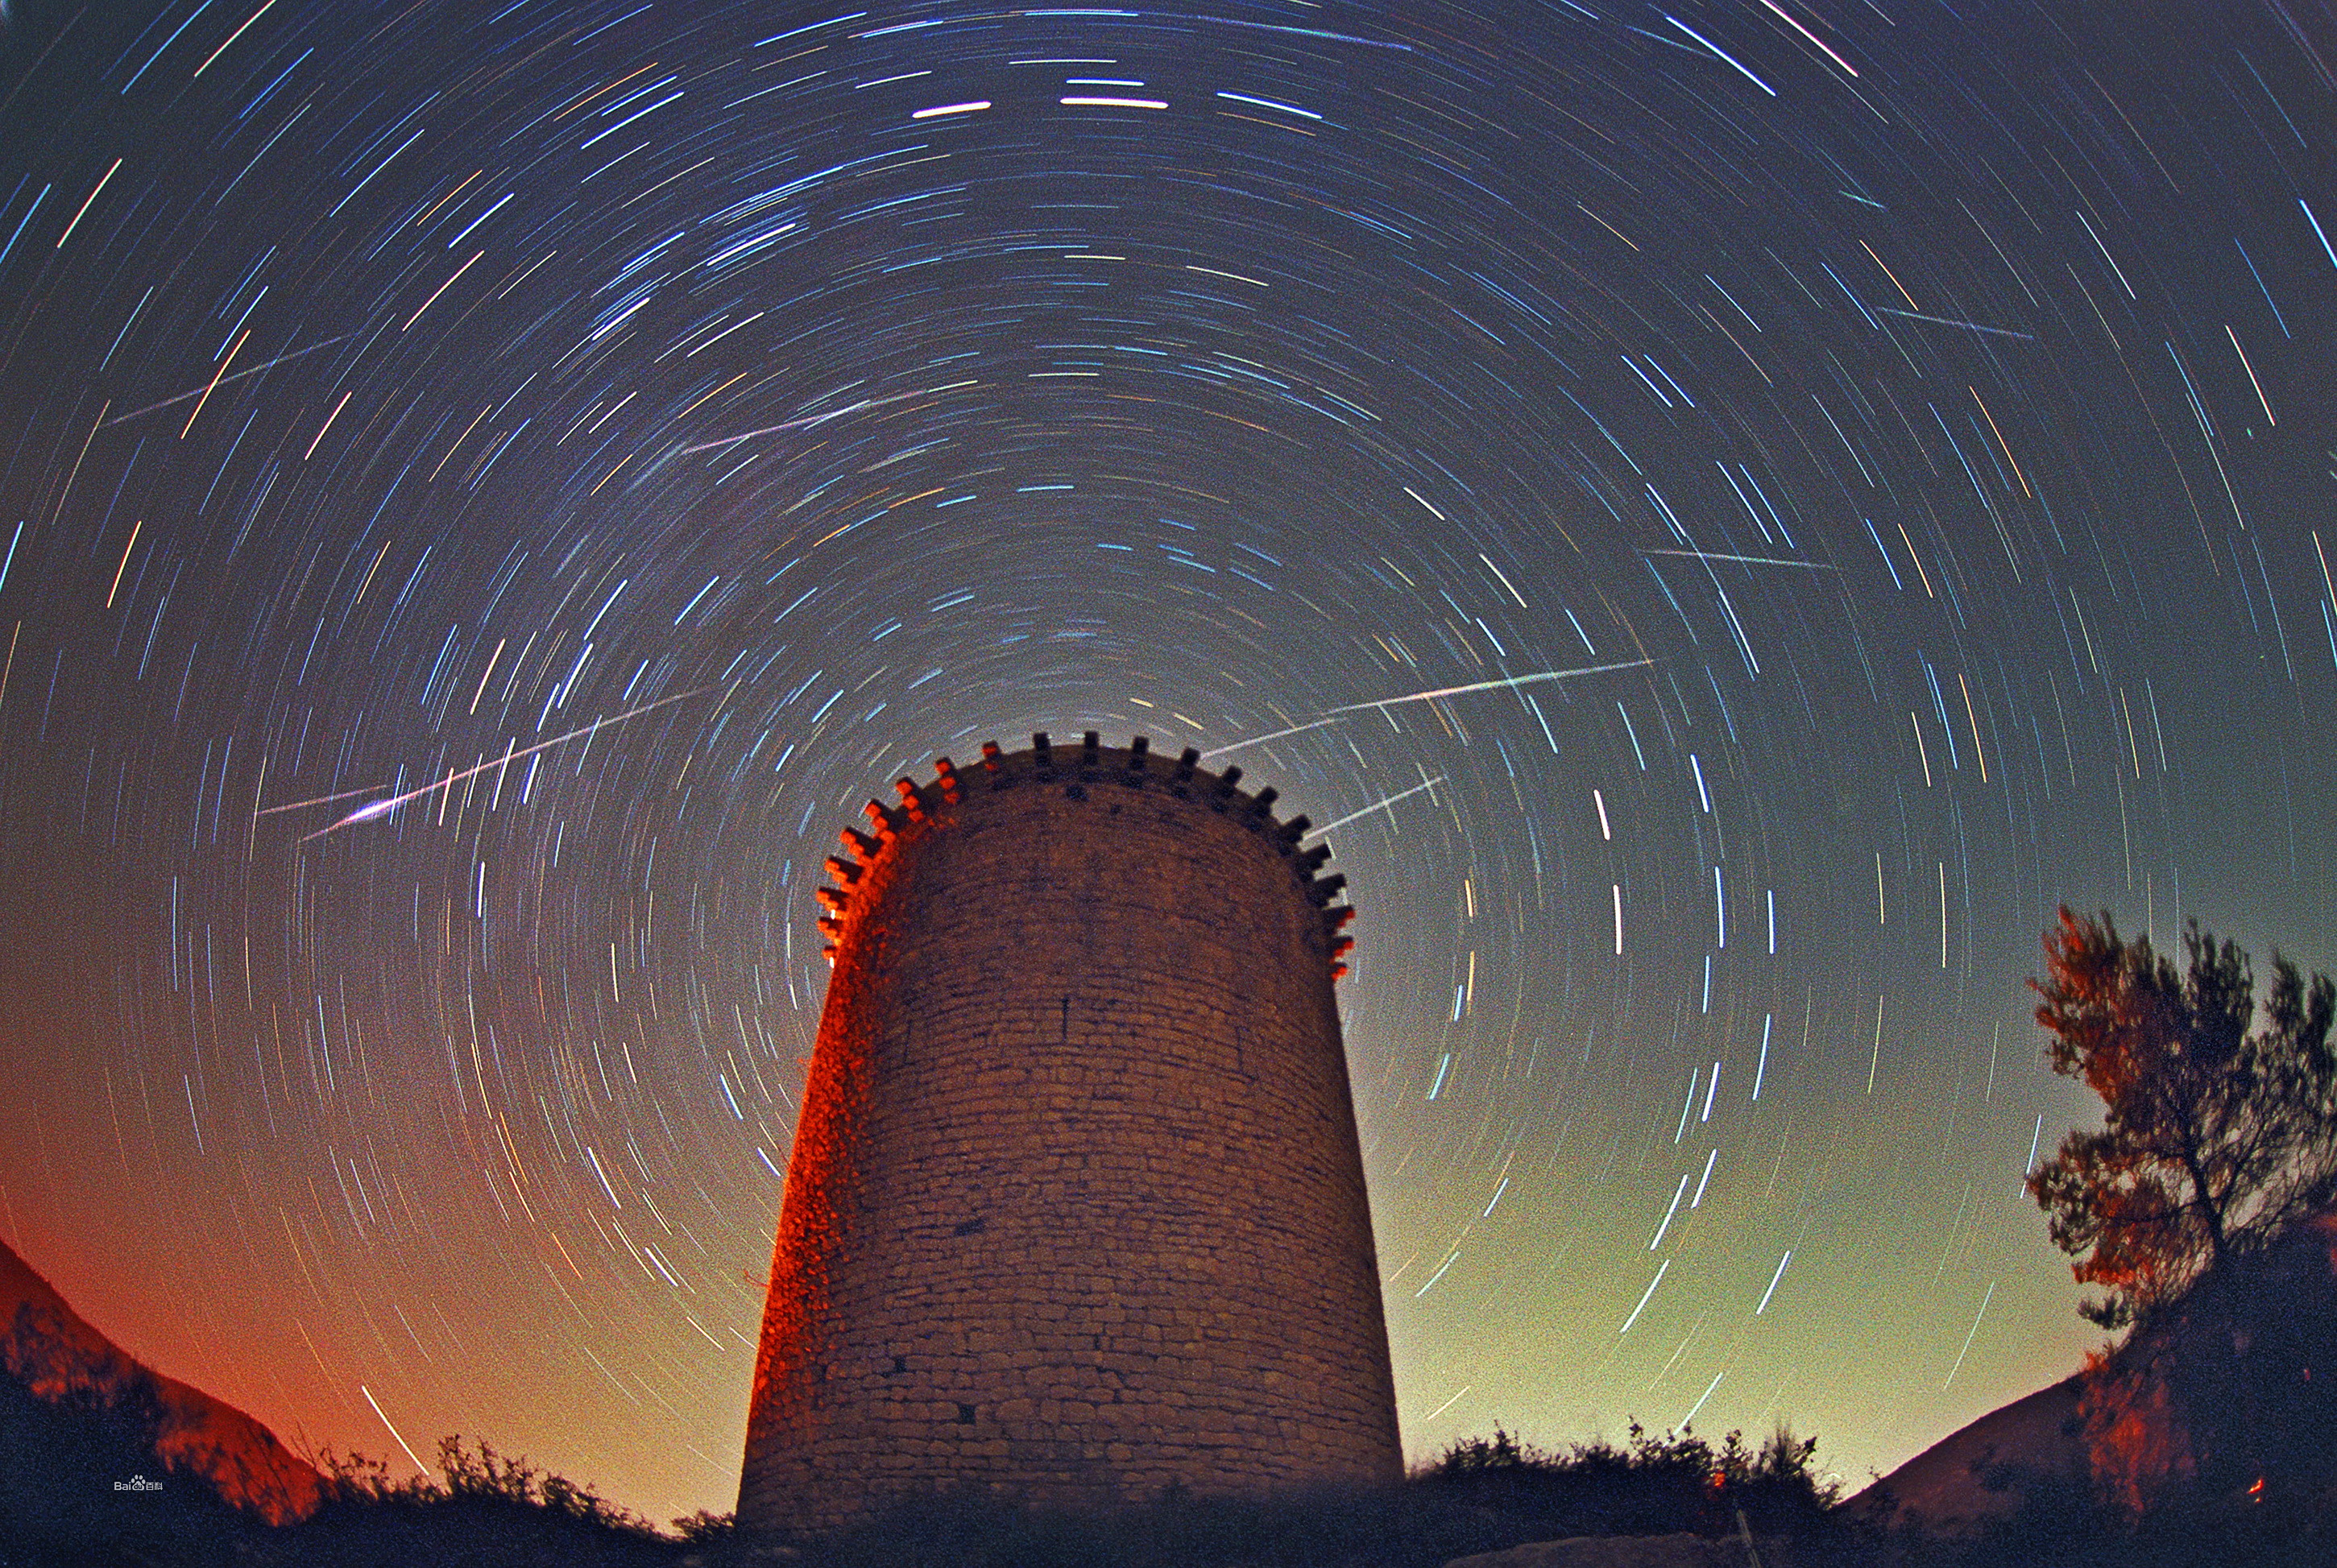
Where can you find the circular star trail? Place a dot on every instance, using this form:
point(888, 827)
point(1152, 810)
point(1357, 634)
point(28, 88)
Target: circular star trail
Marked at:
point(1730, 513)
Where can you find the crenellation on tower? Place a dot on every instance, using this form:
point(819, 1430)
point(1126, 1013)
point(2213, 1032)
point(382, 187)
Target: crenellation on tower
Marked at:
point(1075, 1211)
point(918, 803)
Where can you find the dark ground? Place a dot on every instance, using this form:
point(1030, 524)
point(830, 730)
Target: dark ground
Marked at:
point(59, 1510)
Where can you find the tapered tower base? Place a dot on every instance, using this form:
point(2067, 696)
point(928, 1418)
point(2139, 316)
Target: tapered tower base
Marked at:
point(1075, 1213)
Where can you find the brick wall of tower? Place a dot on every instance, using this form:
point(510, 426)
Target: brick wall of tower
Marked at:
point(1076, 1211)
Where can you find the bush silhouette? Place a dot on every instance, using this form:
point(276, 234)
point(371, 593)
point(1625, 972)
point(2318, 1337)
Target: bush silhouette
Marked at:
point(1482, 1495)
point(495, 1511)
point(81, 1482)
point(1650, 1485)
point(484, 1507)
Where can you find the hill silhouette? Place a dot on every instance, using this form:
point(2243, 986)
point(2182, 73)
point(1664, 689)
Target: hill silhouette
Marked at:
point(1978, 1475)
point(2228, 1390)
point(2207, 1435)
point(81, 1414)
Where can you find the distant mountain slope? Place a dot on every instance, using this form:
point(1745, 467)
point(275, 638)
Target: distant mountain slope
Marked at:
point(2211, 1395)
point(1978, 1473)
point(47, 1346)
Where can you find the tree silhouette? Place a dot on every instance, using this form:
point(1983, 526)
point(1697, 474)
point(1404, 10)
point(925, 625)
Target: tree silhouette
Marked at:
point(2215, 1142)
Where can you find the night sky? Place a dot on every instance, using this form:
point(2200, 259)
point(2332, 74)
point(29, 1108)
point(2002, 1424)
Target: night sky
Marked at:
point(1733, 512)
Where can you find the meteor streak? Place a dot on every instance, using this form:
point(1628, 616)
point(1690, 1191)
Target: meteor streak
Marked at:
point(383, 807)
point(238, 375)
point(1514, 681)
point(808, 420)
point(1262, 739)
point(1967, 326)
point(1380, 805)
point(1336, 715)
point(1747, 560)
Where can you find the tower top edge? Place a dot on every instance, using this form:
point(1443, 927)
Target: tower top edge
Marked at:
point(1077, 767)
point(1085, 760)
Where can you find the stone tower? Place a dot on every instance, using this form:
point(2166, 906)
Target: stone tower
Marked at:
point(1075, 1213)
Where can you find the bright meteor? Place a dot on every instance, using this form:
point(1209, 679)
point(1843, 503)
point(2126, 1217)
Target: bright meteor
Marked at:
point(1514, 681)
point(1378, 805)
point(1334, 716)
point(1262, 739)
point(383, 807)
point(1746, 560)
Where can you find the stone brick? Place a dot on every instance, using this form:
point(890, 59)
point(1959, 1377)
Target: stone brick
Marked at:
point(1075, 1210)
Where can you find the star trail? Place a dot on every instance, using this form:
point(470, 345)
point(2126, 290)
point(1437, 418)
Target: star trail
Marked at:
point(1733, 510)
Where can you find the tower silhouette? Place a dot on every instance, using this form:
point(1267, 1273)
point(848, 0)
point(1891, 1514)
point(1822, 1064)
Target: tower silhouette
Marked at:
point(1075, 1213)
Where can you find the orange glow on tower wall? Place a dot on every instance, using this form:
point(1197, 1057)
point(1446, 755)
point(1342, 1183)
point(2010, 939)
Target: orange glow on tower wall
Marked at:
point(1075, 1213)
